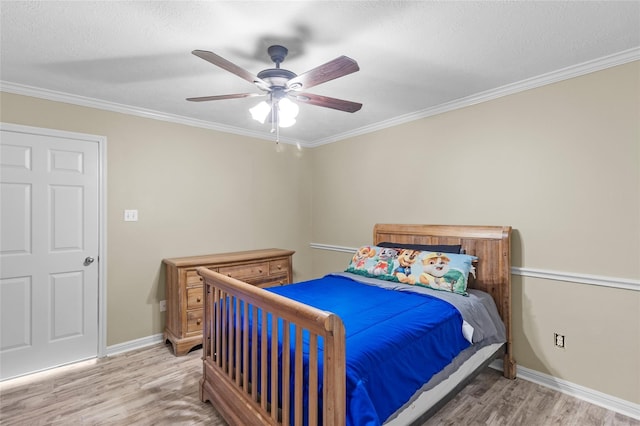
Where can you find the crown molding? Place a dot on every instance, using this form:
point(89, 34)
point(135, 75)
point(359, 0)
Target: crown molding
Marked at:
point(599, 64)
point(52, 95)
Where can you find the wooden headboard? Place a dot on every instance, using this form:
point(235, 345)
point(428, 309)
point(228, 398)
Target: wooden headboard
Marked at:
point(492, 246)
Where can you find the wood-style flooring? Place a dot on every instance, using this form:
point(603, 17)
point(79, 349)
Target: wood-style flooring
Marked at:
point(150, 386)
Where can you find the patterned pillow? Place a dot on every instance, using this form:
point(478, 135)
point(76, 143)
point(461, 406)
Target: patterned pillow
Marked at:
point(444, 271)
point(439, 271)
point(374, 262)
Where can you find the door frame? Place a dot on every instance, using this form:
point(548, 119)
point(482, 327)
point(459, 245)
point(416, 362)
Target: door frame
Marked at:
point(102, 210)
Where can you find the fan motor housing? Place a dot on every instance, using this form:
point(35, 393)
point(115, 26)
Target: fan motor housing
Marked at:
point(276, 76)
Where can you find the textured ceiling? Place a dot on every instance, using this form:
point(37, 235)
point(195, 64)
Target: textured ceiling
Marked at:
point(415, 57)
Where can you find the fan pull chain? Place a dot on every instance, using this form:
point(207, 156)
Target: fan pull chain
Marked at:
point(275, 120)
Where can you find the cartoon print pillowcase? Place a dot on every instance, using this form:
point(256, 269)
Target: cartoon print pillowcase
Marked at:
point(439, 271)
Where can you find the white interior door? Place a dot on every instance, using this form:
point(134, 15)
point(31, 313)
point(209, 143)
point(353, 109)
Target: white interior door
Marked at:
point(49, 246)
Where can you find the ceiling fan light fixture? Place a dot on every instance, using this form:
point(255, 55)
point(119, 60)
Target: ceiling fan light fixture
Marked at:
point(288, 109)
point(260, 111)
point(284, 116)
point(281, 84)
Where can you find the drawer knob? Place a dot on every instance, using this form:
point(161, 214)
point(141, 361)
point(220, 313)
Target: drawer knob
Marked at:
point(198, 300)
point(200, 278)
point(259, 271)
point(198, 322)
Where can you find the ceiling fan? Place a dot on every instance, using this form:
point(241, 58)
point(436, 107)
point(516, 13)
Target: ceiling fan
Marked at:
point(281, 86)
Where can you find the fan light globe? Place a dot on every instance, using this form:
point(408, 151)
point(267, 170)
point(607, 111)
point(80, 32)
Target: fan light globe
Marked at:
point(287, 109)
point(260, 111)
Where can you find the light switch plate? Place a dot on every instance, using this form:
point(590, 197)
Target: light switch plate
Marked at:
point(131, 215)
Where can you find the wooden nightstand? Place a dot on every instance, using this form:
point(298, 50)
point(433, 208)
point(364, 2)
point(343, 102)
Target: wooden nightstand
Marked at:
point(263, 268)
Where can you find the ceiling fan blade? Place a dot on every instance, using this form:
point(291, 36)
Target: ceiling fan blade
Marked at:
point(229, 66)
point(325, 101)
point(221, 97)
point(339, 67)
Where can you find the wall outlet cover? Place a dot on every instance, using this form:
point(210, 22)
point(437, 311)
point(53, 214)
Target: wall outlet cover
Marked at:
point(131, 215)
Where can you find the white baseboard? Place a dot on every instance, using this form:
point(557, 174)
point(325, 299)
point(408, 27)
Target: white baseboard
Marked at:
point(609, 402)
point(134, 344)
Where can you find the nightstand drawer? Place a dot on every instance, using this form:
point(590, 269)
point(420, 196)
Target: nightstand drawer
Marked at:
point(241, 272)
point(194, 297)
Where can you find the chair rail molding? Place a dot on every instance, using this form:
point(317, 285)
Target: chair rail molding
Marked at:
point(603, 281)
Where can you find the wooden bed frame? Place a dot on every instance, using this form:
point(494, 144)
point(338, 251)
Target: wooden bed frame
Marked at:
point(231, 306)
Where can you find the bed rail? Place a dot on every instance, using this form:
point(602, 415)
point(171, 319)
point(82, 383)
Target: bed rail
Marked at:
point(240, 381)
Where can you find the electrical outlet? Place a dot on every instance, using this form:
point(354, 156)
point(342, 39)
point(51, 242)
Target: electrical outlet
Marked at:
point(131, 215)
point(559, 340)
point(163, 305)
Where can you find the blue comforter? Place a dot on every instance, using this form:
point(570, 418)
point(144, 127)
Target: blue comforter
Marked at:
point(395, 341)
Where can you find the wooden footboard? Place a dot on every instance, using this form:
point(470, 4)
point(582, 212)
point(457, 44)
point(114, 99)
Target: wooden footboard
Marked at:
point(238, 379)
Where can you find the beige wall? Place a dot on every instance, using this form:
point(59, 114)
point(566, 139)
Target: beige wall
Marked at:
point(197, 191)
point(561, 165)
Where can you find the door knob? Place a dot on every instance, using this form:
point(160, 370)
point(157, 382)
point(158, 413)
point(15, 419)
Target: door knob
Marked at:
point(88, 260)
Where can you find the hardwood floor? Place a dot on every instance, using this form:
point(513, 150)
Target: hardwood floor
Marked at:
point(150, 386)
point(490, 399)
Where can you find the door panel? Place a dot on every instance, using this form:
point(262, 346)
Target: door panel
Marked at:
point(65, 210)
point(67, 304)
point(15, 301)
point(50, 223)
point(16, 228)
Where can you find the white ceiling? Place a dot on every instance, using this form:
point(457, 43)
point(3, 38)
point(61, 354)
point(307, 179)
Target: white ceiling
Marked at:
point(416, 57)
